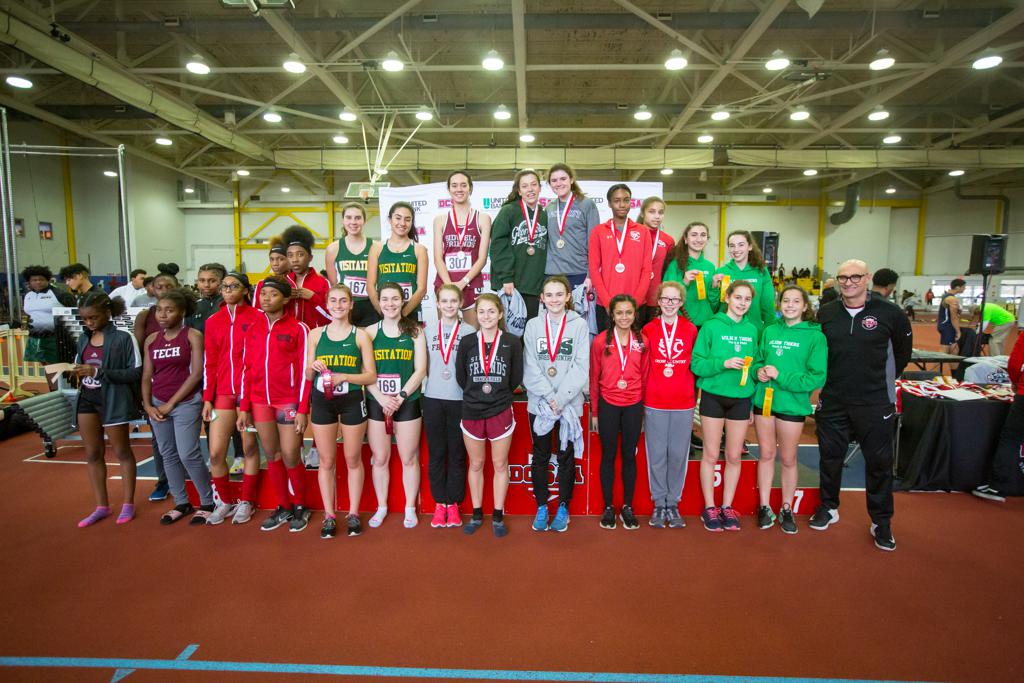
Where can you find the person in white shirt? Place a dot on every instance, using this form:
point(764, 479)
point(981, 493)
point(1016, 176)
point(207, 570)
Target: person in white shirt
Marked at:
point(128, 292)
point(40, 300)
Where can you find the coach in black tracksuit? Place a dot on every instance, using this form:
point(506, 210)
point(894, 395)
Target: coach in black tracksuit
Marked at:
point(869, 343)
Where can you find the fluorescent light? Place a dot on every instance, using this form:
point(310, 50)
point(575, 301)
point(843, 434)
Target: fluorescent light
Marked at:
point(164, 142)
point(286, 189)
point(493, 61)
point(197, 65)
point(676, 61)
point(242, 172)
point(347, 115)
point(271, 117)
point(799, 114)
point(720, 115)
point(380, 171)
point(890, 190)
point(956, 173)
point(778, 62)
point(810, 172)
point(767, 190)
point(340, 140)
point(392, 62)
point(526, 136)
point(293, 64)
point(502, 113)
point(19, 82)
point(705, 139)
point(189, 190)
point(642, 113)
point(882, 61)
point(424, 114)
point(110, 174)
point(892, 139)
point(879, 114)
point(667, 171)
point(987, 62)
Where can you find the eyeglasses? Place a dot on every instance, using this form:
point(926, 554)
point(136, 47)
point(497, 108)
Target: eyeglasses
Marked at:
point(230, 288)
point(855, 278)
point(670, 301)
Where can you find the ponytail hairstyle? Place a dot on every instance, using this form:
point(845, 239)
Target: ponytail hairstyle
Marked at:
point(171, 269)
point(494, 299)
point(808, 314)
point(406, 325)
point(341, 287)
point(296, 235)
point(182, 298)
point(454, 289)
point(610, 332)
point(647, 202)
point(564, 281)
point(514, 195)
point(682, 252)
point(576, 191)
point(97, 298)
point(413, 232)
point(755, 259)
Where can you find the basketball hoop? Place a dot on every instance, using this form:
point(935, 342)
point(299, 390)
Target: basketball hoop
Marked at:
point(364, 193)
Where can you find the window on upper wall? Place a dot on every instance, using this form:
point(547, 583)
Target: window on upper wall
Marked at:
point(1011, 290)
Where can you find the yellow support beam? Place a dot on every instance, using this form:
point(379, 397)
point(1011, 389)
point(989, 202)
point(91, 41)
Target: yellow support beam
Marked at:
point(999, 218)
point(69, 210)
point(330, 208)
point(822, 216)
point(922, 217)
point(721, 233)
point(236, 214)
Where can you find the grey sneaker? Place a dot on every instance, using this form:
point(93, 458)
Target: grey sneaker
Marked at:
point(243, 513)
point(658, 518)
point(221, 513)
point(674, 519)
point(787, 521)
point(277, 518)
point(300, 518)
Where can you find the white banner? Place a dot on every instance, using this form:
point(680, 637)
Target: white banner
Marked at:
point(488, 197)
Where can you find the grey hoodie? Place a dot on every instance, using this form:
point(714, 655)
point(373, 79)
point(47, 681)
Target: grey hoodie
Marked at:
point(572, 363)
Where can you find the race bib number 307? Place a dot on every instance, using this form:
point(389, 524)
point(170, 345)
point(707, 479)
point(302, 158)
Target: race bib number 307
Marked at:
point(459, 261)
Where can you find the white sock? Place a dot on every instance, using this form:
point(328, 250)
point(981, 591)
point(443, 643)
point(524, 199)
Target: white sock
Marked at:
point(410, 518)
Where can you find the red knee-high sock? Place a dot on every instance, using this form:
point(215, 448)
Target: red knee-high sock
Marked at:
point(279, 479)
point(250, 483)
point(296, 478)
point(222, 488)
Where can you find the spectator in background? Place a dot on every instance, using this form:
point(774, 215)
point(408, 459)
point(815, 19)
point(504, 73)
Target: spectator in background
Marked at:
point(828, 292)
point(929, 295)
point(883, 283)
point(147, 297)
point(134, 288)
point(76, 279)
point(909, 301)
point(1006, 469)
point(996, 323)
point(208, 283)
point(948, 320)
point(40, 300)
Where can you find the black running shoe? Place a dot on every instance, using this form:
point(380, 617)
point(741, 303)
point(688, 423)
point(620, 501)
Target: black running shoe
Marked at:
point(883, 537)
point(787, 521)
point(329, 528)
point(765, 517)
point(353, 525)
point(823, 517)
point(629, 520)
point(499, 527)
point(988, 493)
point(608, 518)
point(277, 518)
point(300, 518)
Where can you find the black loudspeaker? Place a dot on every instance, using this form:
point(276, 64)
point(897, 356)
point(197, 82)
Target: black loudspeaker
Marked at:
point(988, 255)
point(768, 243)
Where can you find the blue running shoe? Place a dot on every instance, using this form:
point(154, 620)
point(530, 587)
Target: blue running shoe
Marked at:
point(160, 492)
point(561, 521)
point(540, 520)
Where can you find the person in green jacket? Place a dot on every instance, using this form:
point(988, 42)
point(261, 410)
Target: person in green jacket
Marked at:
point(722, 357)
point(689, 268)
point(748, 264)
point(519, 241)
point(790, 364)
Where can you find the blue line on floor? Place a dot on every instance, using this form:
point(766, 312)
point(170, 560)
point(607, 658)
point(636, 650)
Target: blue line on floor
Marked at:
point(187, 652)
point(396, 672)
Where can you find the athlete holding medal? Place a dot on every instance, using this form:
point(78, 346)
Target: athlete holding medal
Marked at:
point(519, 241)
point(572, 217)
point(461, 238)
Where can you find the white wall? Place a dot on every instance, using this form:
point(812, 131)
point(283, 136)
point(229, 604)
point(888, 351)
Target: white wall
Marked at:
point(797, 227)
point(157, 225)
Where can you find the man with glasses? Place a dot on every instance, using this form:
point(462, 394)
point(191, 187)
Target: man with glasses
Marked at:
point(208, 283)
point(869, 342)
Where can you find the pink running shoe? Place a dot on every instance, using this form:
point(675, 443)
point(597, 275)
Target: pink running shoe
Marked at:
point(454, 518)
point(438, 520)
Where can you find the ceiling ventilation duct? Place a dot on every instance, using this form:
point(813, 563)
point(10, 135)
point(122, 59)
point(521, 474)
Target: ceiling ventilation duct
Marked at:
point(850, 210)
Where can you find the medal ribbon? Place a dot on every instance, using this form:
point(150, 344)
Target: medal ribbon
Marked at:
point(620, 242)
point(446, 349)
point(669, 338)
point(702, 292)
point(624, 358)
point(485, 359)
point(461, 237)
point(766, 409)
point(547, 335)
point(654, 249)
point(724, 285)
point(747, 360)
point(531, 226)
point(564, 216)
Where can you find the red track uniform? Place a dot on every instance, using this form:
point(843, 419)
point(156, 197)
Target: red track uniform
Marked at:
point(662, 252)
point(1015, 365)
point(274, 371)
point(312, 312)
point(606, 371)
point(225, 335)
point(603, 259)
point(677, 392)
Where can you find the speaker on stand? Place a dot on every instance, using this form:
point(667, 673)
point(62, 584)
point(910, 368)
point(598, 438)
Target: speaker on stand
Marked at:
point(768, 243)
point(988, 258)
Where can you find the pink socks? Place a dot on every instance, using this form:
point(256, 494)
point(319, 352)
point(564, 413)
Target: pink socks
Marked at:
point(99, 513)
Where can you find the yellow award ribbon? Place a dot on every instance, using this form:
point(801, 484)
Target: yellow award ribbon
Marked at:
point(766, 409)
point(702, 292)
point(747, 360)
point(724, 284)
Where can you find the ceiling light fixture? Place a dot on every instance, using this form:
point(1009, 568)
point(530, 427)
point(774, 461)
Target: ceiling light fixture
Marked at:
point(878, 114)
point(380, 171)
point(642, 113)
point(676, 61)
point(705, 139)
point(189, 190)
point(526, 136)
point(810, 172)
point(110, 174)
point(987, 61)
point(667, 171)
point(892, 139)
point(347, 115)
point(956, 173)
point(424, 114)
point(882, 61)
point(778, 61)
point(340, 140)
point(242, 172)
point(292, 64)
point(493, 61)
point(502, 113)
point(720, 114)
point(890, 190)
point(799, 114)
point(197, 65)
point(271, 117)
point(767, 190)
point(286, 189)
point(164, 142)
point(19, 82)
point(392, 62)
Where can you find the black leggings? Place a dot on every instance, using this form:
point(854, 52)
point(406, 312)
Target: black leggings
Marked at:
point(612, 421)
point(446, 451)
point(541, 460)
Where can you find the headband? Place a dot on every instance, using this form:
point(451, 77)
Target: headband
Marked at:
point(279, 249)
point(282, 287)
point(241, 277)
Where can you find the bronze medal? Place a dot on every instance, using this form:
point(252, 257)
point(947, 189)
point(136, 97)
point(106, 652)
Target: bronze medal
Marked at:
point(667, 371)
point(552, 371)
point(530, 251)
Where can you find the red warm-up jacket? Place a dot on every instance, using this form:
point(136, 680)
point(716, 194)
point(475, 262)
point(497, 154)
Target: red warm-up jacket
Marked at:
point(662, 253)
point(312, 312)
point(224, 341)
point(679, 391)
point(603, 255)
point(606, 370)
point(274, 364)
point(1015, 365)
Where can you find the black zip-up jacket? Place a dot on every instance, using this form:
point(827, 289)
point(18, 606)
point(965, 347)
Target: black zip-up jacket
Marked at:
point(505, 375)
point(860, 349)
point(120, 373)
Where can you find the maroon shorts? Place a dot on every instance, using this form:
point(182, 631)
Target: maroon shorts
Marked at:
point(490, 428)
point(282, 414)
point(225, 402)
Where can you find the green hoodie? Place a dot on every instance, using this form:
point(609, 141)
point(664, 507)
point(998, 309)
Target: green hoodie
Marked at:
point(800, 354)
point(720, 339)
point(697, 310)
point(510, 261)
point(762, 308)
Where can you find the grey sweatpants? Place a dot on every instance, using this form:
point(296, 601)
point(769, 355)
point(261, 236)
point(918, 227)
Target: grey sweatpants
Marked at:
point(667, 437)
point(178, 438)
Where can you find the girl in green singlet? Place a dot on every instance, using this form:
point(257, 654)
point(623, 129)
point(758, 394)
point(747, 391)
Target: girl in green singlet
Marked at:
point(400, 353)
point(346, 263)
point(399, 259)
point(339, 362)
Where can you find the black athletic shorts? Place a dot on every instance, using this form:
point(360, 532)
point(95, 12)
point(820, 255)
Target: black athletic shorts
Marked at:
point(364, 314)
point(410, 410)
point(713, 405)
point(781, 416)
point(90, 402)
point(349, 408)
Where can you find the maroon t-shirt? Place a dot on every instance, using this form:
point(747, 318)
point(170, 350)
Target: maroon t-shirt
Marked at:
point(172, 364)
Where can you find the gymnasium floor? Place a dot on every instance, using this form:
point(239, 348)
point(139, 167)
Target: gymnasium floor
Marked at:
point(144, 602)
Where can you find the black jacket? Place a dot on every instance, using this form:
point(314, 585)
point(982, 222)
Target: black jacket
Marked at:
point(120, 374)
point(828, 296)
point(505, 375)
point(864, 350)
point(205, 307)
